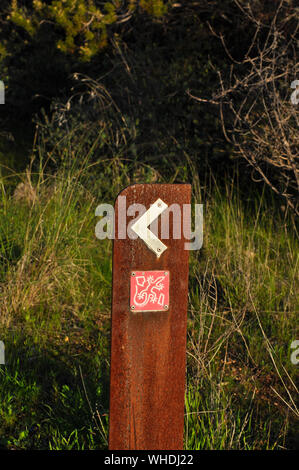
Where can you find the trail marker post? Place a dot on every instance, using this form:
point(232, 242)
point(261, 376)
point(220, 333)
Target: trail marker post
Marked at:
point(149, 320)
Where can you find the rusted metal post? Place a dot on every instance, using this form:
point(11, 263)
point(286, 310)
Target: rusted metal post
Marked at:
point(148, 342)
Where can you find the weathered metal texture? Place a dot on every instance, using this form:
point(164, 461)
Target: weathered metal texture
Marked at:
point(148, 349)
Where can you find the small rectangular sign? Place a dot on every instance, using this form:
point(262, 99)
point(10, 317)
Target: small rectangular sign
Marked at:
point(149, 291)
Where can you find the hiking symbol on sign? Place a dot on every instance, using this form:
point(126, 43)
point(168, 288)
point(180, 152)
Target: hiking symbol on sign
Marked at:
point(149, 291)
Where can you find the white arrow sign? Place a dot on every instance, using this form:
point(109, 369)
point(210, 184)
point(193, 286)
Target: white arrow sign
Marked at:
point(141, 227)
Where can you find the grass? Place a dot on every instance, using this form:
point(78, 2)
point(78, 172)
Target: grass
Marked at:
point(55, 285)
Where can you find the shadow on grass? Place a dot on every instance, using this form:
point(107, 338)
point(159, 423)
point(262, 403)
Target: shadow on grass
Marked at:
point(53, 397)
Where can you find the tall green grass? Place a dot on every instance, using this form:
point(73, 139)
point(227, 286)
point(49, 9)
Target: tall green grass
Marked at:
point(243, 307)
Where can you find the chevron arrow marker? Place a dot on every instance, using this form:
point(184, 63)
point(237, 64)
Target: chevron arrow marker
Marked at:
point(140, 227)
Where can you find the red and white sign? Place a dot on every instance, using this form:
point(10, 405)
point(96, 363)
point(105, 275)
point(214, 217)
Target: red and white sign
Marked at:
point(149, 291)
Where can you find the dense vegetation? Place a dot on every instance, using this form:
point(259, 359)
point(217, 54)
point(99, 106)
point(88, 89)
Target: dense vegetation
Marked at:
point(103, 94)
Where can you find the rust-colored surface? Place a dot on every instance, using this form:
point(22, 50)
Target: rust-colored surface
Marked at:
point(148, 349)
